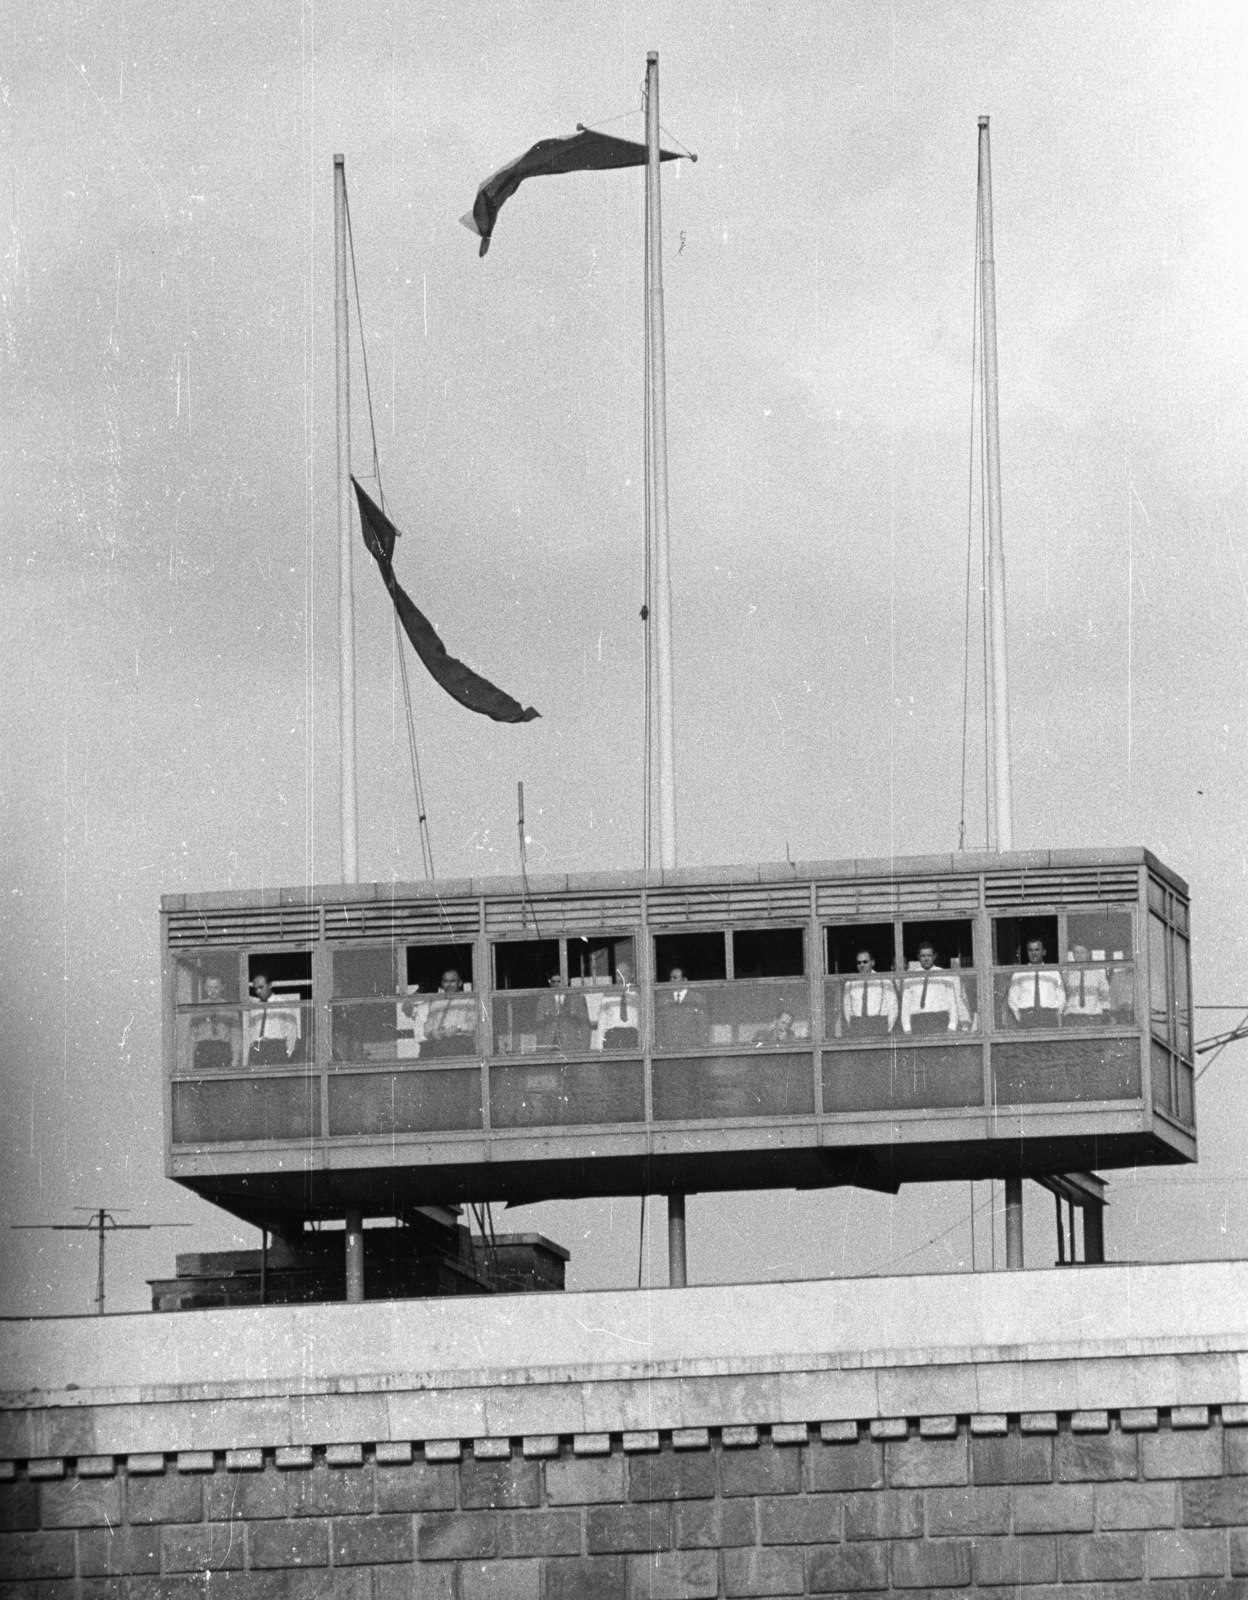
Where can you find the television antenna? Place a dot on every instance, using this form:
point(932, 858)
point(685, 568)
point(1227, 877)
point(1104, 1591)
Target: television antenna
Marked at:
point(102, 1222)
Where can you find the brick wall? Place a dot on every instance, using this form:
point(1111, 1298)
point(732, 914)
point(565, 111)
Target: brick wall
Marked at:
point(1071, 1505)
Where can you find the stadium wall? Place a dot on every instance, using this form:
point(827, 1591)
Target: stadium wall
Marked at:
point(1071, 1433)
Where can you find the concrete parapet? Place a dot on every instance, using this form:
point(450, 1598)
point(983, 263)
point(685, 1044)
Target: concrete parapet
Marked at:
point(1049, 1428)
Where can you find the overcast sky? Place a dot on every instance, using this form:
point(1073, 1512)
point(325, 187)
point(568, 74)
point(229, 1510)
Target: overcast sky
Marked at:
point(168, 709)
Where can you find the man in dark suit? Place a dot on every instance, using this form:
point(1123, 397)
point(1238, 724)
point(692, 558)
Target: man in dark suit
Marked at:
point(684, 1016)
point(563, 1020)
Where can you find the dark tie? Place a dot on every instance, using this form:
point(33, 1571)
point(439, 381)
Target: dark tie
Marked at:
point(1082, 976)
point(866, 992)
point(1035, 1002)
point(264, 1021)
point(923, 996)
point(624, 1005)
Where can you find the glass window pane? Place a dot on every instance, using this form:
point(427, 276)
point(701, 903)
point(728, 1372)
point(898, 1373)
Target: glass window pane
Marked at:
point(370, 971)
point(768, 953)
point(278, 1031)
point(860, 1008)
point(209, 977)
point(1156, 897)
point(936, 1001)
point(1031, 996)
point(1097, 995)
point(208, 1039)
point(1104, 935)
point(1158, 985)
point(683, 1016)
point(1180, 956)
point(763, 1013)
point(1159, 1069)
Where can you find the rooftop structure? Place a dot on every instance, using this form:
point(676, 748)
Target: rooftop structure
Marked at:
point(383, 1046)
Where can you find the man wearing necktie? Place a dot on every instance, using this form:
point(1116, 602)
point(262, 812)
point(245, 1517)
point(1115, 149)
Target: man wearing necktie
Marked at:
point(272, 1026)
point(214, 1033)
point(1087, 991)
point(684, 1017)
point(563, 1020)
point(869, 1004)
point(929, 1001)
point(619, 1018)
point(1036, 994)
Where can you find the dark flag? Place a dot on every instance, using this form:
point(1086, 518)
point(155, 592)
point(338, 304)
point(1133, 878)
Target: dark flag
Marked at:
point(459, 681)
point(582, 151)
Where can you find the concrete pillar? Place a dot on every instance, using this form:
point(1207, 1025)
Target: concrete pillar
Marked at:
point(1013, 1222)
point(676, 1241)
point(355, 1256)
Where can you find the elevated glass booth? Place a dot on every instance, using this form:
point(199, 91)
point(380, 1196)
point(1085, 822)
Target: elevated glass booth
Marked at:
point(766, 1026)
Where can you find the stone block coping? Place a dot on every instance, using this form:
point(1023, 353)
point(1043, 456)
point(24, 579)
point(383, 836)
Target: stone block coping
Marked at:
point(1154, 1347)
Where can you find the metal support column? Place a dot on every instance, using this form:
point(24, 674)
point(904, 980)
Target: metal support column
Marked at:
point(676, 1266)
point(1013, 1222)
point(355, 1256)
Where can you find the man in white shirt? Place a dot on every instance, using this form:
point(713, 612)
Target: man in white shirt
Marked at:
point(929, 999)
point(619, 1014)
point(272, 1025)
point(869, 1004)
point(1087, 991)
point(1036, 994)
point(451, 1021)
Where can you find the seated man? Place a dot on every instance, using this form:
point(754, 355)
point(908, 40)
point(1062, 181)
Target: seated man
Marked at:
point(1036, 995)
point(869, 1004)
point(1087, 992)
point(929, 999)
point(272, 1025)
point(683, 1021)
point(781, 1030)
point(563, 1020)
point(214, 1035)
point(619, 1015)
point(451, 1021)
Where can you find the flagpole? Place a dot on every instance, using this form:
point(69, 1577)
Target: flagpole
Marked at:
point(1003, 798)
point(657, 399)
point(346, 597)
point(661, 609)
point(354, 1220)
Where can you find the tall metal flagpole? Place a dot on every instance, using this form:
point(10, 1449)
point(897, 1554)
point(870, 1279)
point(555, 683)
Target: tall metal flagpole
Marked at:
point(1003, 798)
point(658, 478)
point(346, 595)
point(354, 1219)
point(1002, 792)
point(661, 610)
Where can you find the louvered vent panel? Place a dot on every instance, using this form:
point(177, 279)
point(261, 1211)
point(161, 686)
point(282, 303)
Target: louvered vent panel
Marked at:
point(1060, 885)
point(400, 920)
point(245, 925)
point(550, 914)
point(762, 902)
point(889, 897)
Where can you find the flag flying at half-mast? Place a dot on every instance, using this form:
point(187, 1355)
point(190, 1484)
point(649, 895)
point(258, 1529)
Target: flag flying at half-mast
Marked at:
point(459, 681)
point(582, 151)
